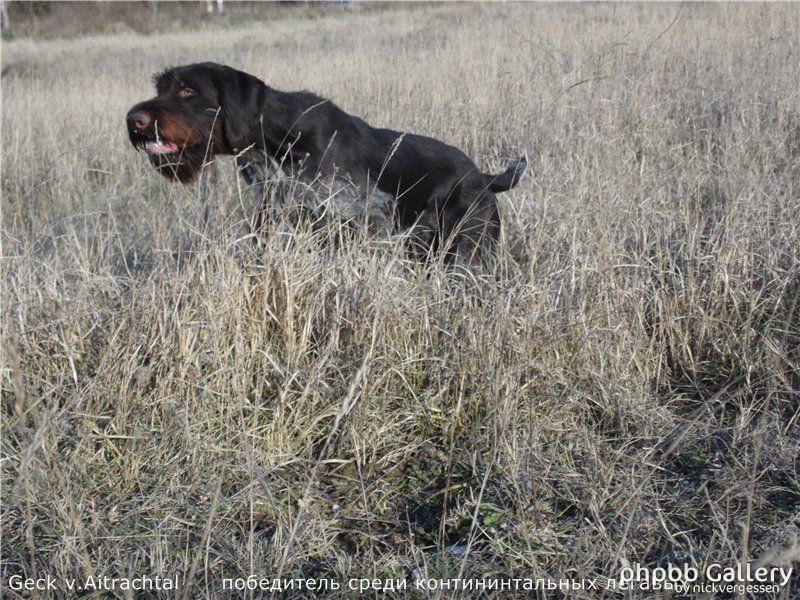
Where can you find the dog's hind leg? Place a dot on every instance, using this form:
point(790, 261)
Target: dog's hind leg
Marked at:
point(472, 232)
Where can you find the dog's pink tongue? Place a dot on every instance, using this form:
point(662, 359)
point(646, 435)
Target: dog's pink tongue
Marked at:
point(161, 147)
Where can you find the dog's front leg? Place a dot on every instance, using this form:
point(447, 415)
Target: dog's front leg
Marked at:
point(255, 183)
point(263, 177)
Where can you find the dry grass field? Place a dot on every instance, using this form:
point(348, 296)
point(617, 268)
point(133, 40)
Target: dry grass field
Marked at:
point(625, 389)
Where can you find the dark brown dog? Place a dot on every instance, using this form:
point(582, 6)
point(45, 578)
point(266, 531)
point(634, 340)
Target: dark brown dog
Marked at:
point(203, 110)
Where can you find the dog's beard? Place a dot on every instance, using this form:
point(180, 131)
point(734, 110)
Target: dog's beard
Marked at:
point(178, 147)
point(184, 165)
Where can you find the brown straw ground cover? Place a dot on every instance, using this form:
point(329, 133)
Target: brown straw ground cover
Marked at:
point(624, 390)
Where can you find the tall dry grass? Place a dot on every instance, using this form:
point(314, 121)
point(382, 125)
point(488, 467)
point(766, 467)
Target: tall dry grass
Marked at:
point(625, 390)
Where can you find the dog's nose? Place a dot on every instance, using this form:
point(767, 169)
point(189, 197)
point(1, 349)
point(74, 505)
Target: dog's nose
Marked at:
point(139, 119)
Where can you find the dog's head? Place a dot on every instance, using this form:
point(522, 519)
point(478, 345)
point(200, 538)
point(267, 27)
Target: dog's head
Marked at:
point(199, 111)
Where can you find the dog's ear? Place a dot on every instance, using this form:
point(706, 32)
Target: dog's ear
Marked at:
point(241, 98)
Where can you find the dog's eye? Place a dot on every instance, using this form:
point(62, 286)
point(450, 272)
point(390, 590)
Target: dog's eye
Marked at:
point(186, 93)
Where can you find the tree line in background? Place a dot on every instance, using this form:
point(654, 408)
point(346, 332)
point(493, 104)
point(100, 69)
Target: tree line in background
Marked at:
point(48, 19)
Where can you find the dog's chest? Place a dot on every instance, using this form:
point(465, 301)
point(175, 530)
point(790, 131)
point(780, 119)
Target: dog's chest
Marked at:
point(329, 198)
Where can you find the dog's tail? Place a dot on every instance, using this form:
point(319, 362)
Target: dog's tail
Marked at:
point(509, 178)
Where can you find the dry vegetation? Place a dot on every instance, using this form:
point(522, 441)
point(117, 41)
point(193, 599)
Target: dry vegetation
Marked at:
point(624, 390)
